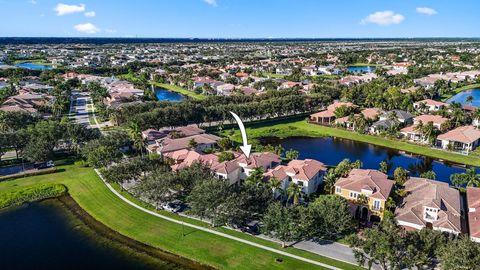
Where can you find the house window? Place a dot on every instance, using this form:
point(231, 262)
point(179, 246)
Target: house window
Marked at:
point(338, 190)
point(376, 205)
point(353, 195)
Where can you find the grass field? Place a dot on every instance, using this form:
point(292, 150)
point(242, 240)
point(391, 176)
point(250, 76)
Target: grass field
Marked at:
point(302, 128)
point(92, 195)
point(460, 89)
point(179, 90)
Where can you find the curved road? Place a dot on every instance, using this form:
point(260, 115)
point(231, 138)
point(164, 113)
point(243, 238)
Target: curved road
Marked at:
point(286, 254)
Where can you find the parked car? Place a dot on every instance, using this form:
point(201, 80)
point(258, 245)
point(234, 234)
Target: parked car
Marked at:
point(43, 165)
point(174, 206)
point(252, 227)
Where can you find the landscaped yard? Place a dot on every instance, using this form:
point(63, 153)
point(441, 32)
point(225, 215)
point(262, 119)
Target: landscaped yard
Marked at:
point(179, 90)
point(303, 128)
point(94, 197)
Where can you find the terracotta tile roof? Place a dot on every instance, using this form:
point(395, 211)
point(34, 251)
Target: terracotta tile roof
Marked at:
point(305, 169)
point(359, 179)
point(465, 134)
point(432, 102)
point(265, 159)
point(473, 202)
point(429, 193)
point(326, 113)
point(371, 113)
point(436, 119)
point(169, 145)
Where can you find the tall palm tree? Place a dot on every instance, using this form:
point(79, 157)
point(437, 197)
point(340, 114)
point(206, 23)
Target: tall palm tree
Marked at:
point(136, 136)
point(294, 192)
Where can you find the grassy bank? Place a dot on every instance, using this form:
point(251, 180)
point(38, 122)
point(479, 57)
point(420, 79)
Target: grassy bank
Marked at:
point(92, 195)
point(460, 89)
point(302, 128)
point(31, 194)
point(179, 90)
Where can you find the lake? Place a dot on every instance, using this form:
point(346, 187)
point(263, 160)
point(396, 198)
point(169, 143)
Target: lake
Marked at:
point(166, 95)
point(462, 97)
point(361, 69)
point(34, 66)
point(46, 235)
point(333, 150)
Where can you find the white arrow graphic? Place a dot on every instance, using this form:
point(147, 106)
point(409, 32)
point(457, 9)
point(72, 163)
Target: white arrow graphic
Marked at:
point(246, 148)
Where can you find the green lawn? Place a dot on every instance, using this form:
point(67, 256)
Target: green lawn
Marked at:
point(460, 89)
point(302, 128)
point(93, 196)
point(180, 90)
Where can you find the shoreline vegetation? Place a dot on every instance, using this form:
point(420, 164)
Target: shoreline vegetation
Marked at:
point(31, 194)
point(179, 90)
point(303, 128)
point(444, 98)
point(90, 193)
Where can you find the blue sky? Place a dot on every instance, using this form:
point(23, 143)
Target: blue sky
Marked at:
point(240, 18)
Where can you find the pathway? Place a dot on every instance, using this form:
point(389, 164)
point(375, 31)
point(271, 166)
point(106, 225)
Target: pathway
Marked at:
point(283, 253)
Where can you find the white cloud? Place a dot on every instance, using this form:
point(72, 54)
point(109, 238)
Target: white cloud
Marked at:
point(87, 28)
point(90, 14)
point(64, 9)
point(386, 17)
point(426, 11)
point(211, 2)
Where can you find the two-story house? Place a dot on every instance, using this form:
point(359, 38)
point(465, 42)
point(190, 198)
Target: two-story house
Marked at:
point(367, 192)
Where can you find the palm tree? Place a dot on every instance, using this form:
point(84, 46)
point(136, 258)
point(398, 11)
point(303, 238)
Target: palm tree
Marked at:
point(294, 192)
point(469, 100)
point(330, 179)
point(136, 136)
point(473, 179)
point(274, 184)
point(362, 199)
point(476, 116)
point(429, 132)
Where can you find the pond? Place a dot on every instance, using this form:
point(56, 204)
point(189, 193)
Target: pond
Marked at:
point(46, 235)
point(361, 69)
point(166, 95)
point(34, 66)
point(333, 150)
point(462, 97)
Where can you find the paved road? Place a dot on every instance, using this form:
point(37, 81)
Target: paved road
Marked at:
point(286, 254)
point(78, 108)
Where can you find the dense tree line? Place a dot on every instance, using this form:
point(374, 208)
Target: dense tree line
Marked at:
point(162, 114)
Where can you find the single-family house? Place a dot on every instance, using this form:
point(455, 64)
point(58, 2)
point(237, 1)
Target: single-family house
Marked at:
point(308, 174)
point(430, 105)
point(430, 204)
point(367, 192)
point(465, 138)
point(473, 204)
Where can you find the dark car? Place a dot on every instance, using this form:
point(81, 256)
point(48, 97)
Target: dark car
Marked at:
point(43, 165)
point(252, 227)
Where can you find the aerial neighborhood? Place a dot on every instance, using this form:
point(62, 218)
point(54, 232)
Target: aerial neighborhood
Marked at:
point(340, 146)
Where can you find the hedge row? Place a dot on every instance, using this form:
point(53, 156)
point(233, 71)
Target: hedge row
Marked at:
point(31, 173)
point(31, 194)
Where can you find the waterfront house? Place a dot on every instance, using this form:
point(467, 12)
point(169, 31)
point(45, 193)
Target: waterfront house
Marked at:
point(429, 105)
point(308, 174)
point(473, 204)
point(327, 116)
point(465, 138)
point(430, 204)
point(367, 192)
point(411, 133)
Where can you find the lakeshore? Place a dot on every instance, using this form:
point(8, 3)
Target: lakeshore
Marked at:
point(92, 195)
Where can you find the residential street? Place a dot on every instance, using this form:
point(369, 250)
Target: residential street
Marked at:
point(78, 108)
